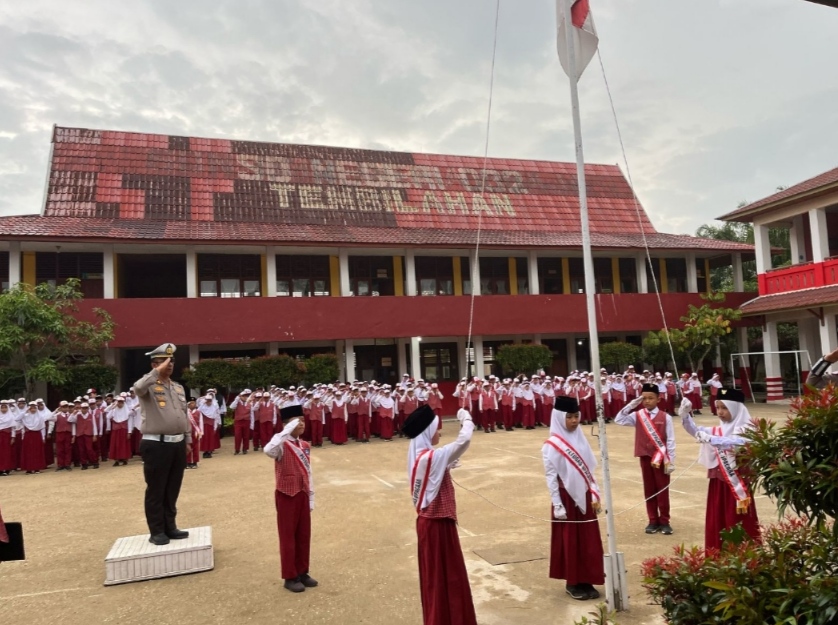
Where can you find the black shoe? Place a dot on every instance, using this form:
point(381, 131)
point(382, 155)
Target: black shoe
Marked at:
point(652, 528)
point(158, 539)
point(124, 463)
point(307, 580)
point(593, 593)
point(116, 464)
point(84, 467)
point(577, 592)
point(236, 453)
point(294, 585)
point(244, 452)
point(96, 466)
point(177, 534)
point(666, 529)
point(57, 470)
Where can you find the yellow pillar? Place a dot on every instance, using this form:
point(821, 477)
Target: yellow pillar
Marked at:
point(615, 274)
point(707, 274)
point(264, 260)
point(398, 275)
point(664, 288)
point(458, 275)
point(28, 263)
point(513, 277)
point(566, 276)
point(334, 275)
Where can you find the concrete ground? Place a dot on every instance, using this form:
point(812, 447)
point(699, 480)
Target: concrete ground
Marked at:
point(364, 542)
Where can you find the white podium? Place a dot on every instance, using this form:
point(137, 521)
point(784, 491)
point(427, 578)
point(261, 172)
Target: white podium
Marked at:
point(134, 559)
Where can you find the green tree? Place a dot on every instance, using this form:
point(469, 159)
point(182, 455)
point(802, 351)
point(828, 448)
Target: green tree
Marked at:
point(617, 355)
point(83, 376)
point(703, 327)
point(524, 358)
point(321, 369)
point(213, 373)
point(281, 370)
point(41, 334)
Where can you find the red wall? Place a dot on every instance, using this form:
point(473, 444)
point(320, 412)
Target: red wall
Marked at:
point(207, 321)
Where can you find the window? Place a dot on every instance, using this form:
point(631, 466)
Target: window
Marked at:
point(628, 275)
point(465, 274)
point(435, 275)
point(550, 276)
point(230, 275)
point(494, 276)
point(439, 361)
point(577, 275)
point(676, 275)
point(371, 276)
point(603, 275)
point(4, 271)
point(653, 271)
point(56, 268)
point(303, 276)
point(522, 273)
point(701, 278)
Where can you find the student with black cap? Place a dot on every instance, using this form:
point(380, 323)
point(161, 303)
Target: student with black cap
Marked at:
point(575, 541)
point(729, 499)
point(294, 497)
point(166, 441)
point(654, 445)
point(443, 580)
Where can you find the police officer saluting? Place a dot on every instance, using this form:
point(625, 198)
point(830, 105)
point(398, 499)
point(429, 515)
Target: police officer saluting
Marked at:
point(167, 438)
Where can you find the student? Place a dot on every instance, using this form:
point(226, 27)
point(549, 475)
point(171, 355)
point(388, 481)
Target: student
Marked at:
point(443, 580)
point(729, 500)
point(294, 497)
point(569, 464)
point(654, 444)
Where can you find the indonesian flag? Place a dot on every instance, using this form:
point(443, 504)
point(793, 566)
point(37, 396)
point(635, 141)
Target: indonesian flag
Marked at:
point(584, 35)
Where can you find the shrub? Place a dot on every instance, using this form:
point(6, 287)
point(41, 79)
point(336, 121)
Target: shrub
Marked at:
point(281, 370)
point(78, 378)
point(618, 355)
point(322, 369)
point(212, 372)
point(789, 578)
point(524, 358)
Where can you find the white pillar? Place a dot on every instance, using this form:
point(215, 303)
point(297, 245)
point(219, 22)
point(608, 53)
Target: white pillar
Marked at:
point(273, 348)
point(536, 339)
point(410, 271)
point(341, 356)
point(191, 272)
point(108, 272)
point(349, 353)
point(415, 361)
point(642, 278)
point(738, 276)
point(763, 248)
point(343, 260)
point(474, 262)
point(14, 263)
point(820, 235)
point(692, 274)
point(194, 354)
point(401, 345)
point(112, 359)
point(773, 373)
point(797, 241)
point(829, 342)
point(808, 336)
point(571, 355)
point(270, 270)
point(532, 270)
point(462, 362)
point(478, 356)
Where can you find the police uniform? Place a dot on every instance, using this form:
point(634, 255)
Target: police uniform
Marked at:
point(166, 433)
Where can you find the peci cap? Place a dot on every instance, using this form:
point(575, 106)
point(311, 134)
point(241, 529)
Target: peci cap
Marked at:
point(290, 412)
point(732, 394)
point(166, 350)
point(418, 421)
point(650, 388)
point(566, 404)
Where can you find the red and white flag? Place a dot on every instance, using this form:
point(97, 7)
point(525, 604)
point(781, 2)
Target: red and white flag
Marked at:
point(583, 32)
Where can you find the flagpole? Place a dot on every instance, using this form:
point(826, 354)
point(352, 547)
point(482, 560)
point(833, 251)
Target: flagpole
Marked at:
point(616, 597)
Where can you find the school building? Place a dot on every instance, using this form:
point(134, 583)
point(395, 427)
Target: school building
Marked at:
point(240, 248)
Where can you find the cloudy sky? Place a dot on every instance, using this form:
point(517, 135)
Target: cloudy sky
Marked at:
point(719, 101)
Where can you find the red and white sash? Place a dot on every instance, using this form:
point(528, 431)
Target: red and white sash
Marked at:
point(660, 455)
point(577, 462)
point(737, 486)
point(419, 476)
point(302, 458)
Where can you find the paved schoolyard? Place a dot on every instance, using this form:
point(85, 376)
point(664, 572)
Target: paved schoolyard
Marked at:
point(364, 544)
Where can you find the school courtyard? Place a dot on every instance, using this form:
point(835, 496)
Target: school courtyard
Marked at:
point(364, 542)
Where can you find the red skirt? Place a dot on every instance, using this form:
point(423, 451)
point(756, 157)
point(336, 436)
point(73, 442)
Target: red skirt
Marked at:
point(443, 580)
point(721, 515)
point(32, 452)
point(338, 436)
point(120, 445)
point(576, 548)
point(7, 456)
point(386, 428)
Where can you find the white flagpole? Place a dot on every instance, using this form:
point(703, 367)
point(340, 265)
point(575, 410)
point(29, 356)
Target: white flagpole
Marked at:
point(616, 595)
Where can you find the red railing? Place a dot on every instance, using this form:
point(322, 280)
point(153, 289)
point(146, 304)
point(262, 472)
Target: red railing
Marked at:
point(797, 277)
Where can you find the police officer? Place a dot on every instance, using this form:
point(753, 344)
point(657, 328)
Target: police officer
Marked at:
point(819, 376)
point(167, 439)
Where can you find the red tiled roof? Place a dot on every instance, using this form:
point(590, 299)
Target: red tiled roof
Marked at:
point(99, 229)
point(746, 213)
point(119, 185)
point(804, 298)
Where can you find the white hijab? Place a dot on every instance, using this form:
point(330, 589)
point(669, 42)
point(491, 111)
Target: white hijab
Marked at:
point(7, 419)
point(32, 420)
point(740, 421)
point(571, 479)
point(437, 472)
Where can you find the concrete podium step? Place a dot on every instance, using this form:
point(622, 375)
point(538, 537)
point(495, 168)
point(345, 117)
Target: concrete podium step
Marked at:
point(134, 559)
